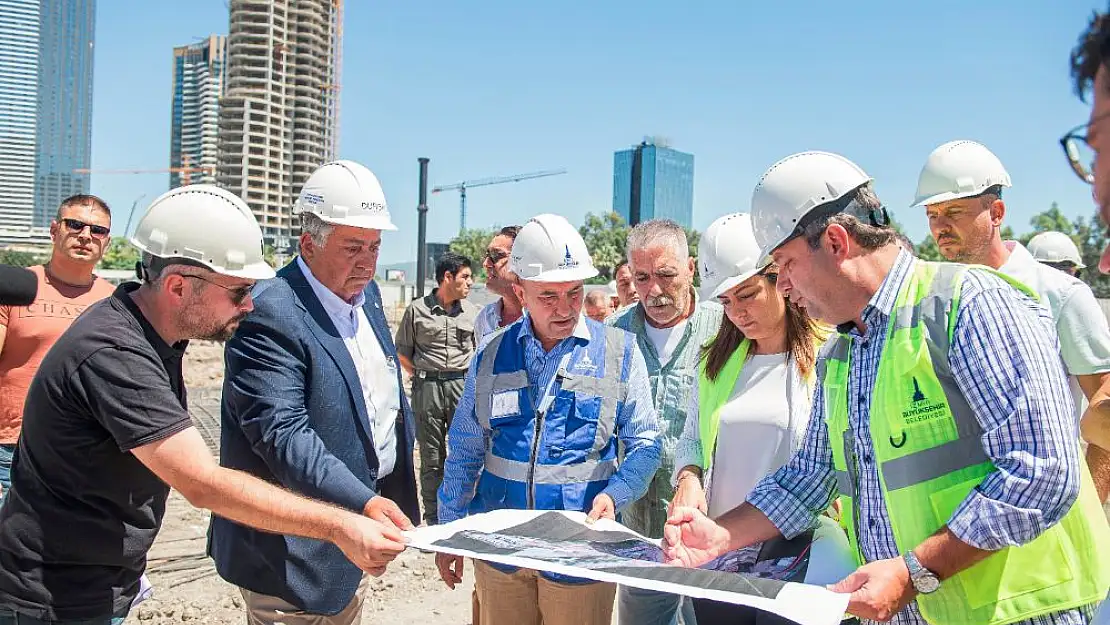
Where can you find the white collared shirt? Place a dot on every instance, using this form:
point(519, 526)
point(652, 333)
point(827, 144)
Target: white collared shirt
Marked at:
point(377, 374)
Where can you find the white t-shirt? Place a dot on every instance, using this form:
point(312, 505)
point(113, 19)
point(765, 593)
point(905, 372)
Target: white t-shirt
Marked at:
point(1080, 322)
point(665, 340)
point(761, 425)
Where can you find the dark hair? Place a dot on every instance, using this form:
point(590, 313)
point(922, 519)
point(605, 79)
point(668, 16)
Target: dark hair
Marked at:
point(1091, 52)
point(450, 263)
point(83, 199)
point(867, 236)
point(905, 243)
point(802, 335)
point(617, 269)
point(509, 231)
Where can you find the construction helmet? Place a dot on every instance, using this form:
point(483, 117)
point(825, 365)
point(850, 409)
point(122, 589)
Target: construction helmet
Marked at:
point(959, 169)
point(793, 187)
point(204, 224)
point(1055, 247)
point(549, 249)
point(345, 193)
point(728, 255)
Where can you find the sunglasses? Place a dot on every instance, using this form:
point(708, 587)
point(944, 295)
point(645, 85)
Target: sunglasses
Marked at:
point(496, 256)
point(238, 294)
point(76, 226)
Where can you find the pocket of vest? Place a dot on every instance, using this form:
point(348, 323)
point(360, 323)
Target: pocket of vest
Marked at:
point(580, 427)
point(1012, 571)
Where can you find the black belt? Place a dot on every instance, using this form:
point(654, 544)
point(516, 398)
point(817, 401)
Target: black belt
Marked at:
point(440, 376)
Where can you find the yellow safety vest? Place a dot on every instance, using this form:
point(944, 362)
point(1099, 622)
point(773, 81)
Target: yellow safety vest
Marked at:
point(930, 456)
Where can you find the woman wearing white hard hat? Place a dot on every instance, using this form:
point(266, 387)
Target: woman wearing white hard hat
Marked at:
point(751, 406)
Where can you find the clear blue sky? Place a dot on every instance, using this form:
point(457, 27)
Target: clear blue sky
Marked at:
point(494, 87)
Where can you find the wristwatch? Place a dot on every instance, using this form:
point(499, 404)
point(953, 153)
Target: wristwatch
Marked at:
point(924, 580)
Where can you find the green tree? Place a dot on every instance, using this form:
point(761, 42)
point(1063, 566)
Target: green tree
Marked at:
point(119, 255)
point(19, 259)
point(606, 237)
point(472, 243)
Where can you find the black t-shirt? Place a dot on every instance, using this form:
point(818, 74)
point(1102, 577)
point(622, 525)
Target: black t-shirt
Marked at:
point(83, 511)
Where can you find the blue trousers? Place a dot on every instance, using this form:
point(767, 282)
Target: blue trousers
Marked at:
point(637, 606)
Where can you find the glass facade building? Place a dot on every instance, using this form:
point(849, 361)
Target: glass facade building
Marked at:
point(19, 66)
point(65, 88)
point(653, 181)
point(198, 85)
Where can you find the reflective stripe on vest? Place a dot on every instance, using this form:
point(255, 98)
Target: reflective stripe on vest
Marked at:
point(610, 388)
point(927, 445)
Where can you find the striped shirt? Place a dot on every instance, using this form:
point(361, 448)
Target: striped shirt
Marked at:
point(637, 426)
point(1005, 358)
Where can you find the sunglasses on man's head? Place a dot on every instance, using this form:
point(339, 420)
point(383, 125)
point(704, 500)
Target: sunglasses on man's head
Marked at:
point(76, 226)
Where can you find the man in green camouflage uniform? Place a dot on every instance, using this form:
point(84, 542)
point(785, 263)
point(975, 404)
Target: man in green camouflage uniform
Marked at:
point(671, 327)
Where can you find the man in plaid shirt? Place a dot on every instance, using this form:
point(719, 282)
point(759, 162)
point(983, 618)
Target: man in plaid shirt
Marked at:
point(816, 215)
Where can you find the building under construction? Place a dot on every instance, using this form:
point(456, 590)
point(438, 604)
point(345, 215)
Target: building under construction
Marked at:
point(280, 112)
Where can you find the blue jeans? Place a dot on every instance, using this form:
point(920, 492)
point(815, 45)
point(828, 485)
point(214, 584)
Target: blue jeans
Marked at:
point(6, 452)
point(10, 617)
point(637, 606)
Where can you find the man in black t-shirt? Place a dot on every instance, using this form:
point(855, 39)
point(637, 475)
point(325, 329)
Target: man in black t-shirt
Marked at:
point(106, 431)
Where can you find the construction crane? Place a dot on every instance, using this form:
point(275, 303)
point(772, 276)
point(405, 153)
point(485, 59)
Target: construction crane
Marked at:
point(482, 182)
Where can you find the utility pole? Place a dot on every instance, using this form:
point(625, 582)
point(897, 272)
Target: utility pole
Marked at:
point(422, 229)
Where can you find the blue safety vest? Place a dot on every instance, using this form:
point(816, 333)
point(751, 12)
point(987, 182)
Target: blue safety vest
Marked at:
point(551, 448)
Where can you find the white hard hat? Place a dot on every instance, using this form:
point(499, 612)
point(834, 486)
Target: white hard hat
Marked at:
point(959, 169)
point(205, 224)
point(1055, 247)
point(728, 254)
point(611, 288)
point(793, 187)
point(345, 193)
point(549, 249)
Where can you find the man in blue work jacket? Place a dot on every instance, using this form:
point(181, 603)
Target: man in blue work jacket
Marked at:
point(547, 400)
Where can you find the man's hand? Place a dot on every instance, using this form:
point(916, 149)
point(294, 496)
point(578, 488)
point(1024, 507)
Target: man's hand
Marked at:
point(603, 508)
point(450, 569)
point(691, 539)
point(386, 511)
point(368, 544)
point(879, 589)
point(690, 494)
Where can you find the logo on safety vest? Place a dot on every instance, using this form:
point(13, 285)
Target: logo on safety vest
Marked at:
point(920, 408)
point(568, 260)
point(585, 364)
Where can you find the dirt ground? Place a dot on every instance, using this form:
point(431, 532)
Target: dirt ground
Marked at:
point(186, 587)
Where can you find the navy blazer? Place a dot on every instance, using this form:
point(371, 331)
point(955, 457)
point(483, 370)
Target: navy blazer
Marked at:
point(293, 414)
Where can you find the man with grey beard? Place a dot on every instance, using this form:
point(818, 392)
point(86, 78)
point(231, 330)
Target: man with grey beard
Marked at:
point(670, 326)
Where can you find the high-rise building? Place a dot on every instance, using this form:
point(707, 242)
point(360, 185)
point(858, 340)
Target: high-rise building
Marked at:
point(198, 84)
point(279, 115)
point(19, 51)
point(65, 90)
point(653, 181)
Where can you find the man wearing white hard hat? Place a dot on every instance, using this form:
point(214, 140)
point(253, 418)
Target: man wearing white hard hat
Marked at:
point(943, 421)
point(960, 187)
point(313, 402)
point(547, 402)
point(107, 432)
point(671, 325)
point(1057, 250)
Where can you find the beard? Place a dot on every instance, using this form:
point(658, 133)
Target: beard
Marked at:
point(210, 330)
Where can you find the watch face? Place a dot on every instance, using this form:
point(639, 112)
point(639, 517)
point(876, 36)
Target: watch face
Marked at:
point(926, 584)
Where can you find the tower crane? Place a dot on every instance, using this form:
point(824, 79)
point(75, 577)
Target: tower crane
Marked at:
point(482, 182)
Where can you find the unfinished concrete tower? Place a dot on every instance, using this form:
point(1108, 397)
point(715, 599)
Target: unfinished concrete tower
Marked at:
point(279, 116)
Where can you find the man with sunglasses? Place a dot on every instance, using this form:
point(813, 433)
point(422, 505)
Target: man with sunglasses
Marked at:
point(960, 187)
point(66, 287)
point(500, 280)
point(107, 431)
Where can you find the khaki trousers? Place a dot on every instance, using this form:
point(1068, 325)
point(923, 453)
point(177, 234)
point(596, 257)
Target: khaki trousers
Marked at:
point(267, 610)
point(524, 597)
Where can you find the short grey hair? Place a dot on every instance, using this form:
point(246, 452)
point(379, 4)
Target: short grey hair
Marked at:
point(597, 297)
point(658, 232)
point(317, 229)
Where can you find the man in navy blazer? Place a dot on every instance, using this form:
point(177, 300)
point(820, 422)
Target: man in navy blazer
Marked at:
point(312, 401)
